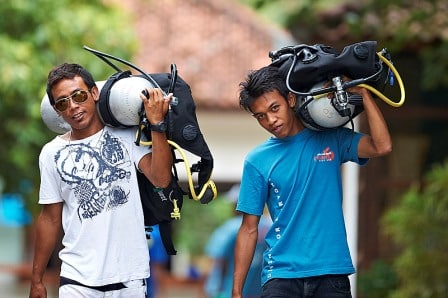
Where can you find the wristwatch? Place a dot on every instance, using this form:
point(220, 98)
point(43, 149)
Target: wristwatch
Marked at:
point(159, 127)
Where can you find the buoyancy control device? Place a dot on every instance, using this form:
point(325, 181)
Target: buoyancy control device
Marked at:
point(318, 74)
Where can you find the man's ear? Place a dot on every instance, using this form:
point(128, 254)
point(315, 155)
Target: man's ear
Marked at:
point(95, 93)
point(292, 99)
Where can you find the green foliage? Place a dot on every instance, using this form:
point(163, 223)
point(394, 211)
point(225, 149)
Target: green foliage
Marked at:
point(284, 12)
point(34, 37)
point(198, 221)
point(377, 282)
point(435, 68)
point(418, 224)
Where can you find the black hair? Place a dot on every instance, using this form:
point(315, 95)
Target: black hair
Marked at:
point(261, 81)
point(67, 71)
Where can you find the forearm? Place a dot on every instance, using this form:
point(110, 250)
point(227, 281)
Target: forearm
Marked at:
point(157, 168)
point(47, 234)
point(161, 161)
point(48, 229)
point(244, 252)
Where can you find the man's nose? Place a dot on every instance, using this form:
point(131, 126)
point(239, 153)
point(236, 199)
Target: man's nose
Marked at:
point(271, 118)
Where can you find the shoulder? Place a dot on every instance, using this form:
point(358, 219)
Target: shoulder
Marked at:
point(53, 145)
point(262, 148)
point(340, 133)
point(128, 131)
point(126, 135)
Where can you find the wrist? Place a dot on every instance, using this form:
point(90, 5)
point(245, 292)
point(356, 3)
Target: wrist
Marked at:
point(36, 278)
point(160, 126)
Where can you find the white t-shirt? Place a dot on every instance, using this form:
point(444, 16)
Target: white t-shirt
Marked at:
point(104, 239)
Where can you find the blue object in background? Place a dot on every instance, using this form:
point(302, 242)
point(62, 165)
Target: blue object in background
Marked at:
point(13, 218)
point(157, 255)
point(13, 212)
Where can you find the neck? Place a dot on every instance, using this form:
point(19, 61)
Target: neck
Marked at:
point(297, 126)
point(78, 134)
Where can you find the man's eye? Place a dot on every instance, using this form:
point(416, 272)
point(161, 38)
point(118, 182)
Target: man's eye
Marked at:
point(259, 116)
point(275, 108)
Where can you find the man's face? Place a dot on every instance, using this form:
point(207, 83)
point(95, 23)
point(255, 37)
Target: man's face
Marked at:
point(275, 114)
point(79, 115)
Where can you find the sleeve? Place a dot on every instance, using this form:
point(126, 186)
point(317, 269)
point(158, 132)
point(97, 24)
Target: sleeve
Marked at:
point(253, 191)
point(349, 141)
point(128, 136)
point(50, 183)
point(140, 151)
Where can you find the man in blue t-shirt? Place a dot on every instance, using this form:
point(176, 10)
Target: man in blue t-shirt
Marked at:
point(296, 173)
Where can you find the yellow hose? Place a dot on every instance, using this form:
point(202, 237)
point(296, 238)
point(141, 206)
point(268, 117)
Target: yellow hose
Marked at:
point(209, 183)
point(400, 83)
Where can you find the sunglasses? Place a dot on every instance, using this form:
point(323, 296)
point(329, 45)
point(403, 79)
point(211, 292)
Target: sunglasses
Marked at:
point(79, 96)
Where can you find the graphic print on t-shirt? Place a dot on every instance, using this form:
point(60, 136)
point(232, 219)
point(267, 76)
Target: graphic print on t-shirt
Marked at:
point(326, 155)
point(98, 172)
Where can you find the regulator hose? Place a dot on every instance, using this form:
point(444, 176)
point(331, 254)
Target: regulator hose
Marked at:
point(208, 191)
point(357, 82)
point(400, 83)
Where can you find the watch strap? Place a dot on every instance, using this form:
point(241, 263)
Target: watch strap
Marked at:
point(158, 127)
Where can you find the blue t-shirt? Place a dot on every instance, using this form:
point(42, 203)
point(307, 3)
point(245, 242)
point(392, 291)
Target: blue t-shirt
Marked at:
point(299, 178)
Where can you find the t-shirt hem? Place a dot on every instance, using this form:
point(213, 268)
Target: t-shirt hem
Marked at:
point(306, 274)
point(103, 282)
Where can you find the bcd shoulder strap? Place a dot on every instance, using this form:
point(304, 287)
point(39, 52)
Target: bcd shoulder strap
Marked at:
point(161, 206)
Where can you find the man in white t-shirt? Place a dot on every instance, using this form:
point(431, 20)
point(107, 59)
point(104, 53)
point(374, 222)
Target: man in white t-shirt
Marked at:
point(89, 191)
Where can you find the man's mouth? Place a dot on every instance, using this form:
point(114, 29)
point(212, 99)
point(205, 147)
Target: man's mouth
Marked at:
point(276, 129)
point(77, 116)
